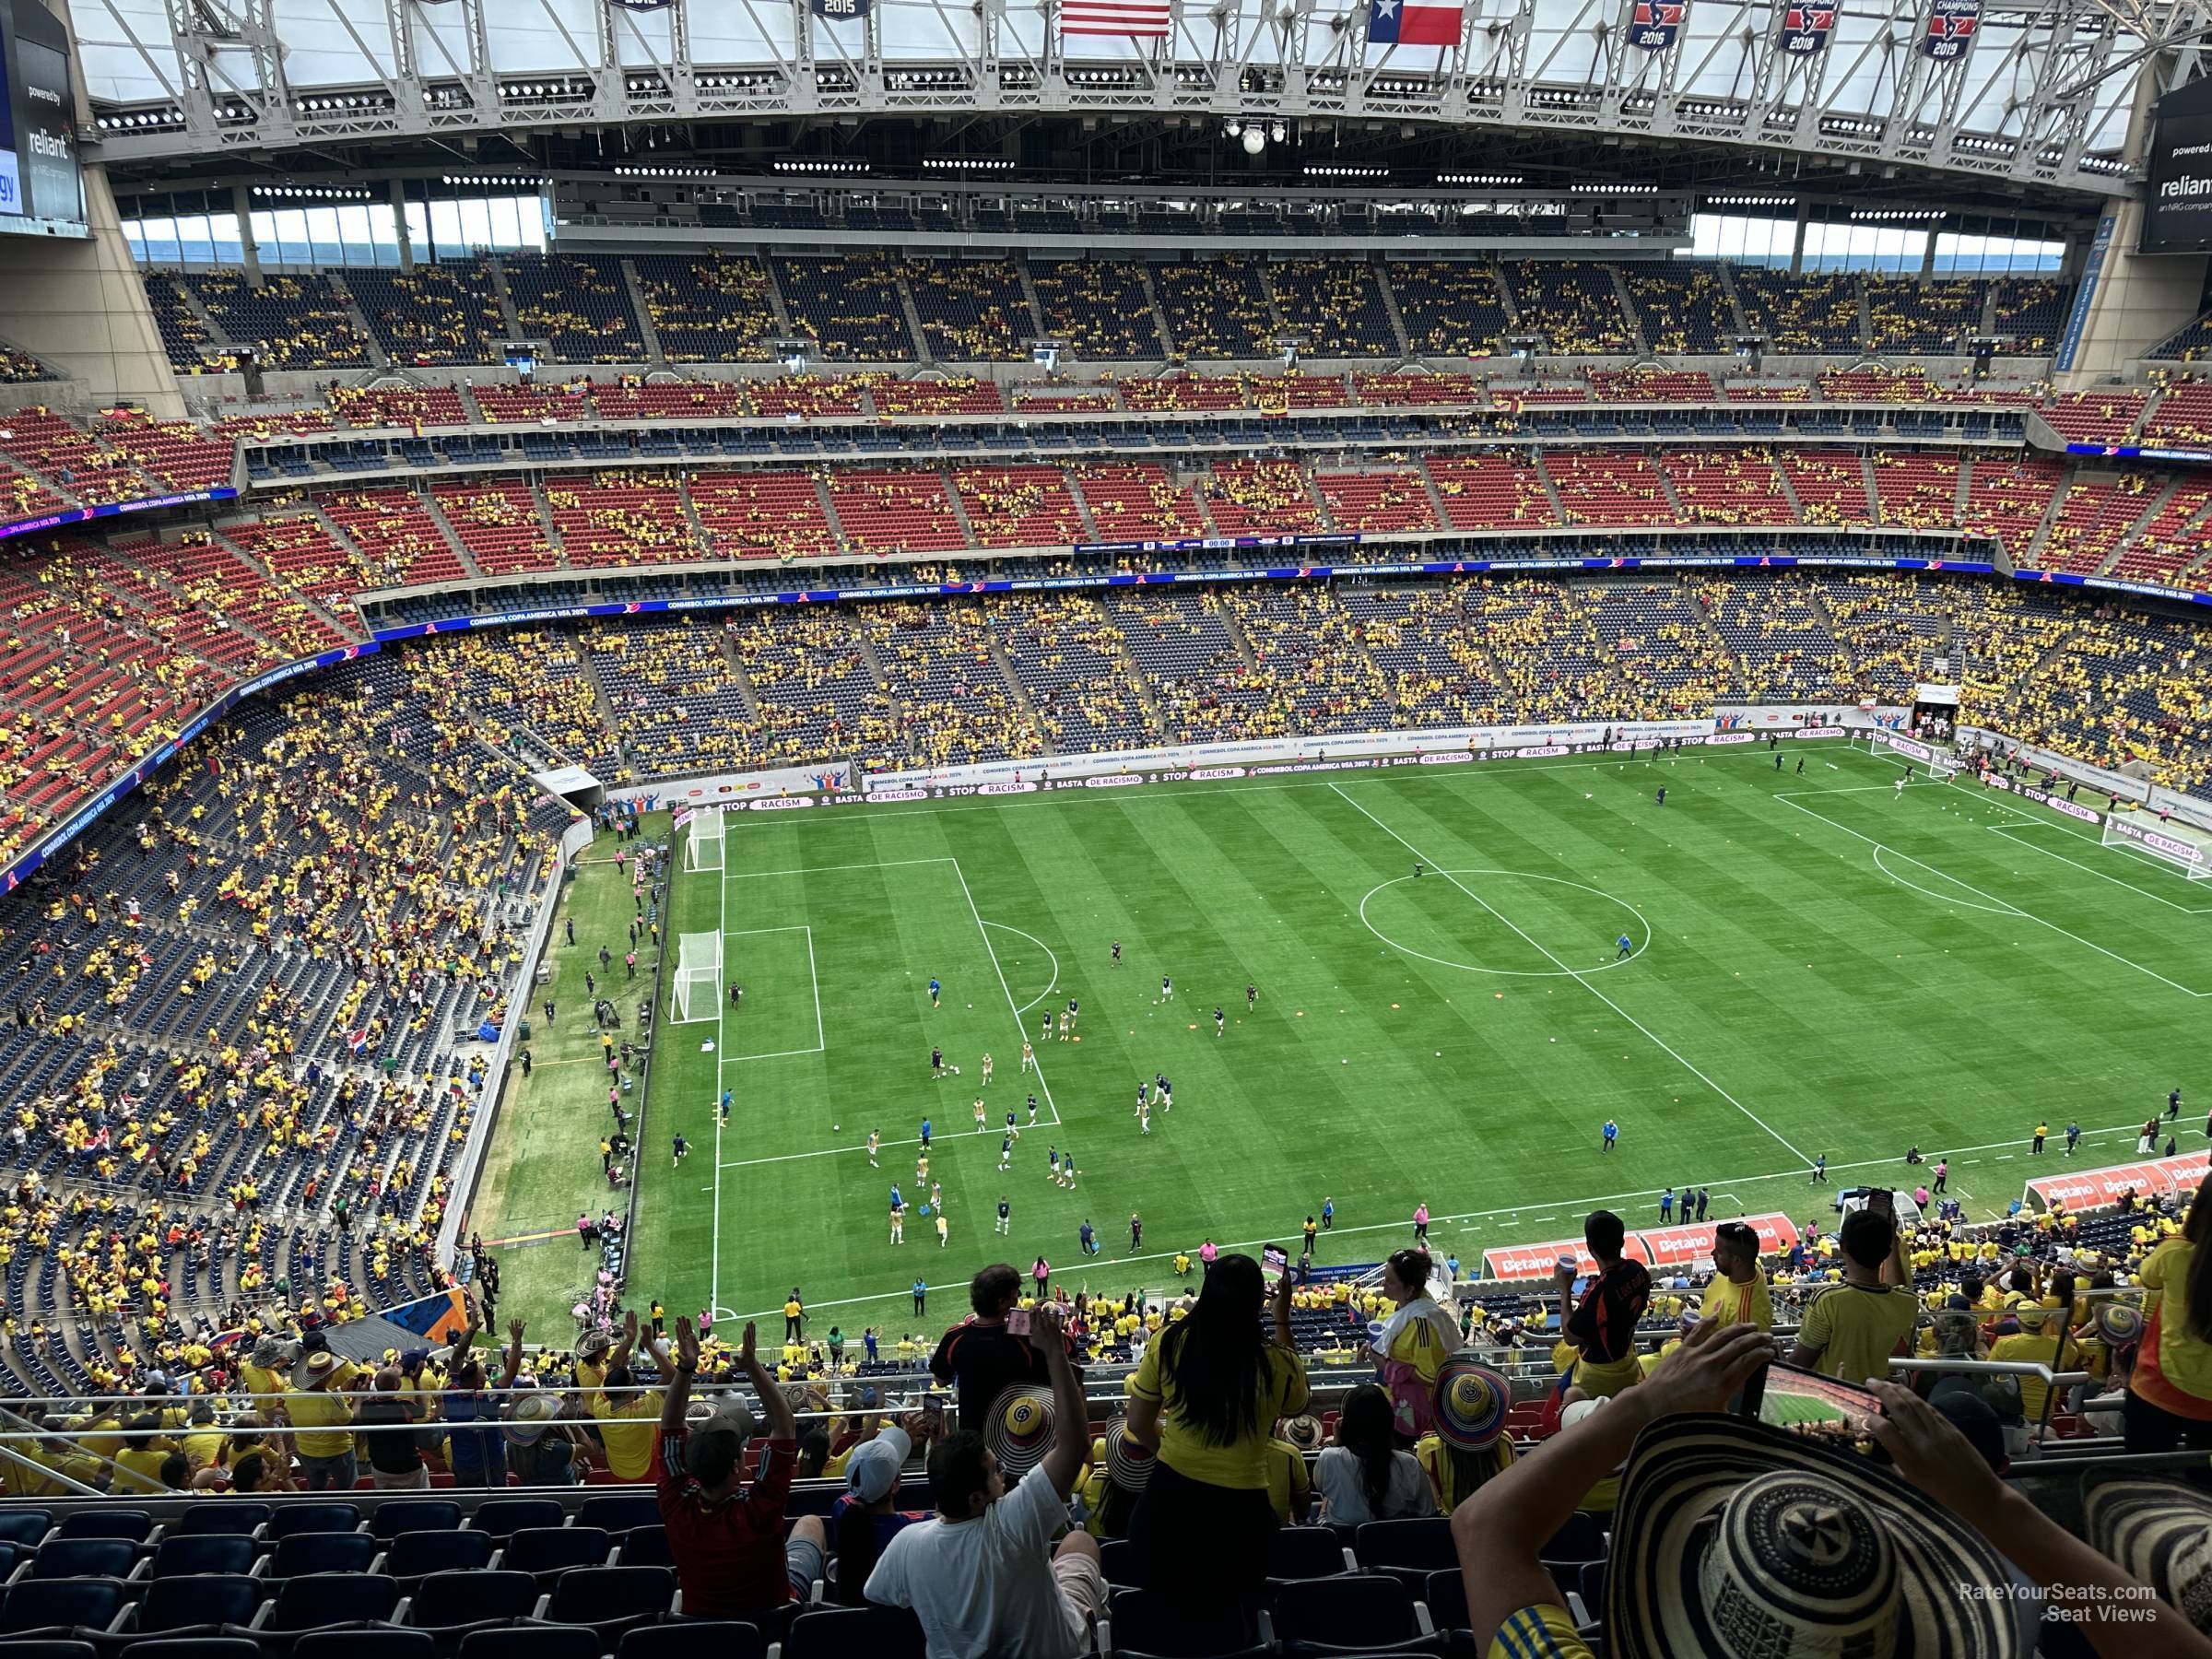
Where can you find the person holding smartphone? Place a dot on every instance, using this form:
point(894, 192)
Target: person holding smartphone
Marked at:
point(1852, 1330)
point(980, 1358)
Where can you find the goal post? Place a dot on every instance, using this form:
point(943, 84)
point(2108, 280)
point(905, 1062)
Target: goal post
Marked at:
point(698, 977)
point(702, 850)
point(2192, 857)
point(1941, 770)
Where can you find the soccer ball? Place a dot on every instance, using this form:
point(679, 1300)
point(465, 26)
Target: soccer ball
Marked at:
point(956, 1071)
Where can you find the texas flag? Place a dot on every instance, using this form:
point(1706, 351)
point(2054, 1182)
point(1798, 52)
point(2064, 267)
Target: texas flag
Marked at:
point(1412, 23)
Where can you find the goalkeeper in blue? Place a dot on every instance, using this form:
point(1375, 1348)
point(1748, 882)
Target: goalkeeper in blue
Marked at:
point(1625, 947)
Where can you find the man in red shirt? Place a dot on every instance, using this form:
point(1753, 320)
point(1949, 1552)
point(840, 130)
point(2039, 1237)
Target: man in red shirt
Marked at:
point(731, 1558)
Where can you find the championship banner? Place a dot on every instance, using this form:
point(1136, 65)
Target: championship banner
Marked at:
point(840, 11)
point(1805, 28)
point(1655, 24)
point(642, 5)
point(2101, 1189)
point(1950, 28)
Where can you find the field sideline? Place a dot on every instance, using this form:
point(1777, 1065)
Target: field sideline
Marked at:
point(1816, 966)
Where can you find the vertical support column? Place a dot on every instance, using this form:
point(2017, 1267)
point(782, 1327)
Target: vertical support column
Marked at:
point(249, 251)
point(1797, 242)
point(399, 217)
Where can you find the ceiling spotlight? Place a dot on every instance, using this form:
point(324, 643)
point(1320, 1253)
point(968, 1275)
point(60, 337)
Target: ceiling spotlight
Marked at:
point(1234, 128)
point(1278, 132)
point(1254, 141)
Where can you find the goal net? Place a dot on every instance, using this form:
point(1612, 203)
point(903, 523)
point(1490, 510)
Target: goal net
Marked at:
point(1941, 770)
point(2169, 846)
point(698, 977)
point(703, 850)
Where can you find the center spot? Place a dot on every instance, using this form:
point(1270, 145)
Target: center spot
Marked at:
point(1513, 922)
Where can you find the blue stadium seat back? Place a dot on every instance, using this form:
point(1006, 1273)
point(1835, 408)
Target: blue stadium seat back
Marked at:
point(134, 1525)
point(228, 1519)
point(838, 1632)
point(1446, 1595)
point(686, 1639)
point(41, 1604)
point(619, 1512)
point(1118, 1562)
point(194, 1647)
point(387, 1521)
point(1425, 1543)
point(365, 1642)
point(532, 1641)
point(85, 1558)
point(1305, 1552)
point(56, 1647)
point(325, 1598)
point(292, 1520)
point(603, 1596)
point(25, 1527)
point(554, 1549)
point(1441, 1645)
point(503, 1517)
point(646, 1546)
point(446, 1599)
point(1167, 1626)
point(206, 1599)
point(205, 1552)
point(414, 1554)
point(1360, 1610)
point(1582, 1539)
point(303, 1553)
point(1590, 1584)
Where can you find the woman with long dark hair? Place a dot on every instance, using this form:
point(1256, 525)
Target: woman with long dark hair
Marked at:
point(1364, 1477)
point(2170, 1391)
point(1414, 1343)
point(1205, 1399)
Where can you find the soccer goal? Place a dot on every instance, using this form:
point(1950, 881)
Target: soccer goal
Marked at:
point(1941, 768)
point(698, 977)
point(703, 850)
point(2169, 846)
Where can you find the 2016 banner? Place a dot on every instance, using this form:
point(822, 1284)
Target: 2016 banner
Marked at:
point(1656, 23)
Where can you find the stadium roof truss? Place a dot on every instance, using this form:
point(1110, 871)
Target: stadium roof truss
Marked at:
point(2037, 93)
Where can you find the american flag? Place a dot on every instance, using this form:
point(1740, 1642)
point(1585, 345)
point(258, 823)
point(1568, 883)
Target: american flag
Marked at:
point(1135, 19)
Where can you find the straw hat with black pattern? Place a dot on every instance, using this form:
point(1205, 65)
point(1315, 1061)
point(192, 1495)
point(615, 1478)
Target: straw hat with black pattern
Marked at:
point(1471, 1403)
point(1734, 1539)
point(1302, 1432)
point(2119, 1323)
point(1128, 1464)
point(2160, 1532)
point(1020, 1429)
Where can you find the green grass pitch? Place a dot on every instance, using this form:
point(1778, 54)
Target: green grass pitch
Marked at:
point(1818, 966)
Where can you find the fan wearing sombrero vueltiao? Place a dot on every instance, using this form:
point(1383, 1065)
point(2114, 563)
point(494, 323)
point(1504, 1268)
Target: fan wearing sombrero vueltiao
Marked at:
point(1733, 1538)
point(1469, 1444)
point(1119, 1469)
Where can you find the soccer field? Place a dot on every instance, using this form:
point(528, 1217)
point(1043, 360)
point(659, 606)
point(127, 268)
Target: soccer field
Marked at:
point(1817, 966)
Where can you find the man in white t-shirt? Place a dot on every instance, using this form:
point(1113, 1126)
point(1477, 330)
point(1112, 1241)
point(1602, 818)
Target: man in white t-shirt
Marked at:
point(981, 1574)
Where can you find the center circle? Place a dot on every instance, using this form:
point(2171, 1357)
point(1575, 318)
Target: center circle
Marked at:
point(1431, 918)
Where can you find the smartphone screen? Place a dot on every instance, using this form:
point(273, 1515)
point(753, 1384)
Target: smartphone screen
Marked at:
point(933, 1405)
point(1274, 1261)
point(1882, 1201)
point(1797, 1398)
point(1017, 1322)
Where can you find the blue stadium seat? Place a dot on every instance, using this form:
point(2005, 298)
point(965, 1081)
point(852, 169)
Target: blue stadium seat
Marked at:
point(178, 1557)
point(1306, 1552)
point(56, 1647)
point(25, 1527)
point(546, 1550)
point(1158, 1624)
point(612, 1599)
point(1118, 1562)
point(1445, 1596)
point(689, 1639)
point(1582, 1539)
point(85, 1558)
point(41, 1604)
point(322, 1552)
point(530, 1642)
point(134, 1525)
point(413, 1555)
point(229, 1517)
point(838, 1632)
point(646, 1546)
point(619, 1512)
point(503, 1517)
point(324, 1598)
point(1361, 1613)
point(205, 1600)
point(293, 1520)
point(194, 1647)
point(365, 1642)
point(447, 1601)
point(387, 1521)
